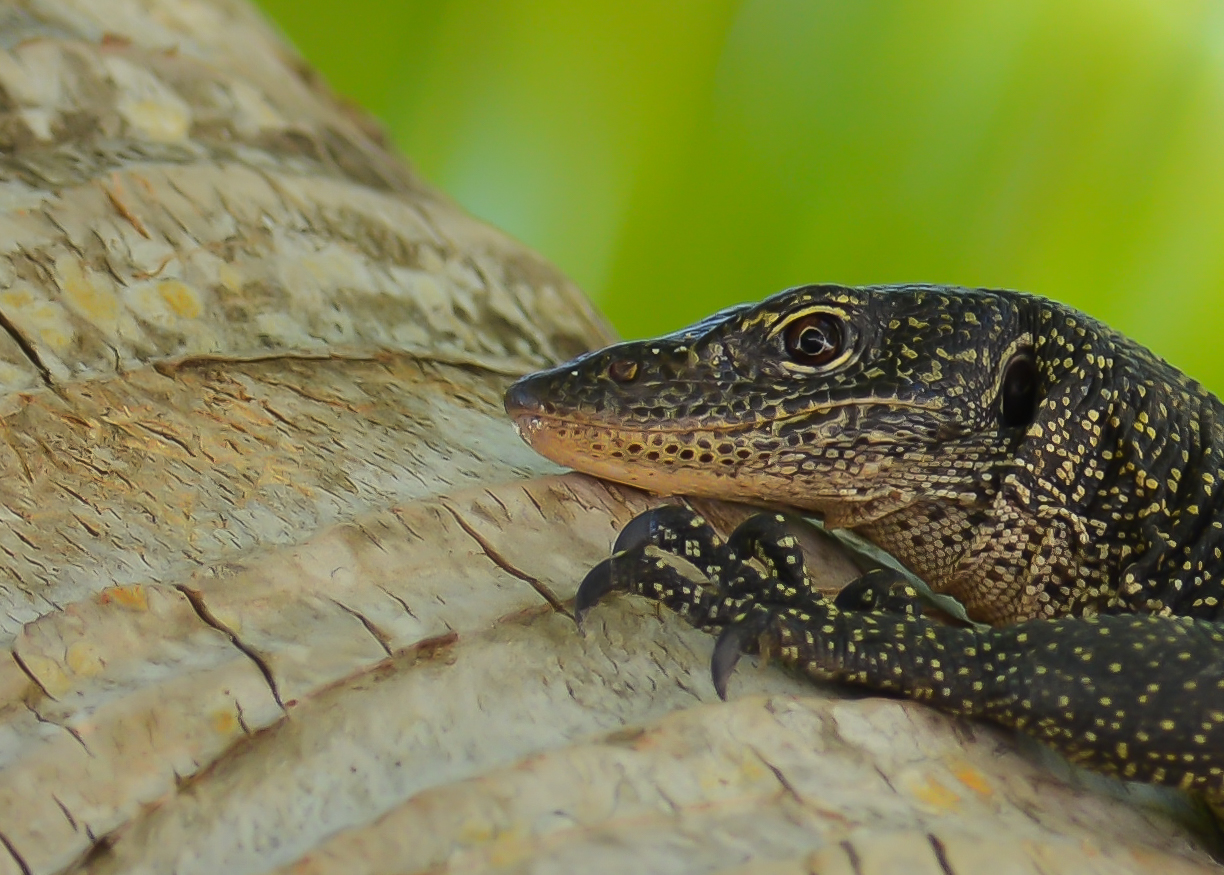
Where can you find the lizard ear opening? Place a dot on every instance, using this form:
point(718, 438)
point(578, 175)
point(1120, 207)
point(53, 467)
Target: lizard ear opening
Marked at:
point(1018, 393)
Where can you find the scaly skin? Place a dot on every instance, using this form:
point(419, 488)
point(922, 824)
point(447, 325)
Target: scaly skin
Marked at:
point(1057, 478)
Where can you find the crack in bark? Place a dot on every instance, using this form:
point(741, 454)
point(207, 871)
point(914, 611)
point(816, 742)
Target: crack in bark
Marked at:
point(498, 501)
point(941, 854)
point(505, 565)
point(27, 349)
point(65, 727)
point(241, 716)
point(887, 780)
point(532, 499)
point(196, 600)
point(167, 437)
point(21, 863)
point(777, 773)
point(852, 857)
point(25, 669)
point(403, 604)
point(377, 634)
point(67, 813)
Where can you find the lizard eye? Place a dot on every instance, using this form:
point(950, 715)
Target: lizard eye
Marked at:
point(815, 339)
point(1018, 395)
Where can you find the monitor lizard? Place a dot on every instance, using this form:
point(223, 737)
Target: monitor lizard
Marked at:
point(1056, 477)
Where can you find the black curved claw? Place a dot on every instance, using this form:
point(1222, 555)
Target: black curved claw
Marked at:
point(637, 533)
point(598, 582)
point(730, 647)
point(643, 529)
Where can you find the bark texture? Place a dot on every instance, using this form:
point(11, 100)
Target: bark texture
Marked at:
point(281, 589)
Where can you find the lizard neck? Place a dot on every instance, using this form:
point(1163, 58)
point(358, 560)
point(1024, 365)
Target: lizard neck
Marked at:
point(1102, 510)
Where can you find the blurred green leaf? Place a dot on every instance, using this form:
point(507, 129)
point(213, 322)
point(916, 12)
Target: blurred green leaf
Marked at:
point(676, 156)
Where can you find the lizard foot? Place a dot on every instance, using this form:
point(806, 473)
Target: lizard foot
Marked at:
point(776, 630)
point(1140, 697)
point(673, 556)
point(753, 588)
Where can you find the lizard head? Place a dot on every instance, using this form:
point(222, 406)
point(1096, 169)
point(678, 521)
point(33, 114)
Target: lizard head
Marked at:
point(849, 401)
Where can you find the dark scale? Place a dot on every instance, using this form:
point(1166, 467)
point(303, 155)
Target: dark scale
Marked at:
point(1057, 478)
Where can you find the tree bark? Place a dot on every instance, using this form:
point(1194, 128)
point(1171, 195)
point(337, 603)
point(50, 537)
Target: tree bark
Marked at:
point(279, 585)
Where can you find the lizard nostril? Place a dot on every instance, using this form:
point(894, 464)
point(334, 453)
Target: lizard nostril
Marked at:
point(520, 399)
point(623, 371)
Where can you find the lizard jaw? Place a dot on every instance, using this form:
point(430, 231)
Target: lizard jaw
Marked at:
point(707, 464)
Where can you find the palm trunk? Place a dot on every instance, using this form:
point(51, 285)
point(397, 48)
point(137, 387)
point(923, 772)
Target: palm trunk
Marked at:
point(280, 584)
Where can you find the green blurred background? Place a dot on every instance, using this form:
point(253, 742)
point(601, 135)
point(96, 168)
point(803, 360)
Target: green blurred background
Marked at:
point(676, 156)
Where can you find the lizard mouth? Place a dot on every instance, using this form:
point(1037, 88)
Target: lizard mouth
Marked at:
point(697, 456)
point(676, 463)
point(693, 463)
point(532, 420)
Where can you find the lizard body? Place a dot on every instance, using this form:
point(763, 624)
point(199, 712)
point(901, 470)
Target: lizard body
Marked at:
point(1056, 477)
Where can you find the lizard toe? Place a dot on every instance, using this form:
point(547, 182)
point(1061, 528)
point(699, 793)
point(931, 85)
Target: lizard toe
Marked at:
point(733, 641)
point(599, 581)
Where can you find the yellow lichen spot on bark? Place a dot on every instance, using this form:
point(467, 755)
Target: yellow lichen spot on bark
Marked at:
point(181, 298)
point(47, 672)
point(479, 831)
point(751, 771)
point(16, 298)
point(160, 122)
point(224, 722)
point(134, 597)
point(93, 301)
point(41, 320)
point(973, 779)
point(83, 660)
point(147, 104)
point(510, 847)
point(931, 792)
point(164, 303)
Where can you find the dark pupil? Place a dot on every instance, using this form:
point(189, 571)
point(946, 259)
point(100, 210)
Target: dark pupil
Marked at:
point(1018, 404)
point(815, 339)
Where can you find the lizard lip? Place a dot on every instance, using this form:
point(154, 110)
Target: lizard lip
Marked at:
point(526, 426)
